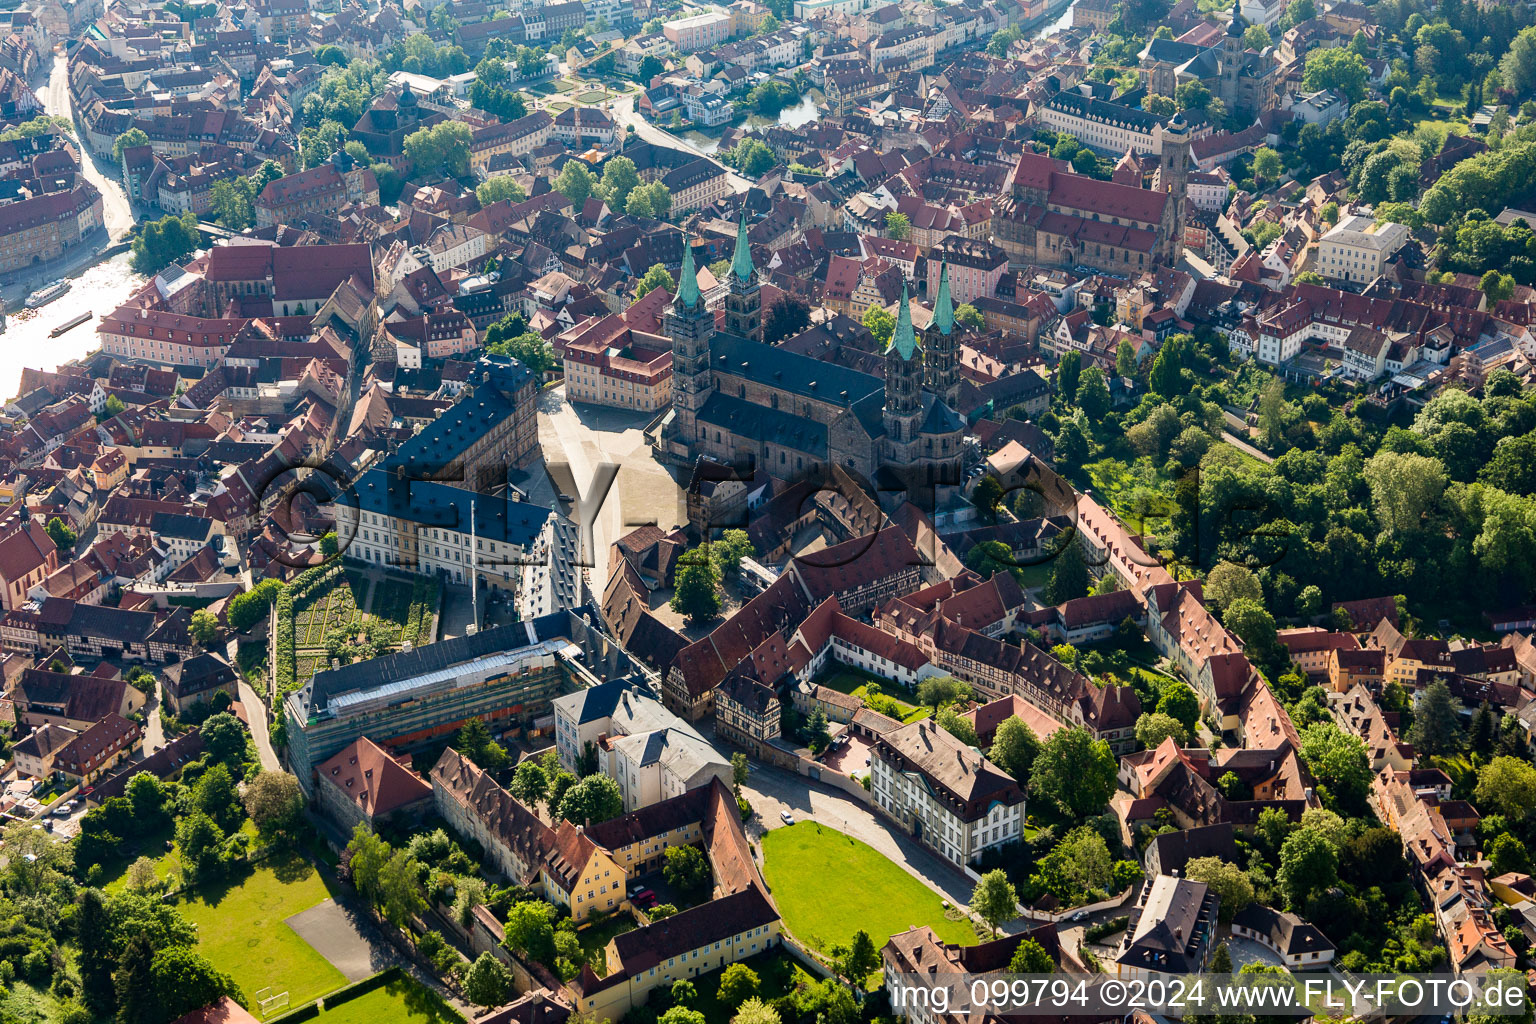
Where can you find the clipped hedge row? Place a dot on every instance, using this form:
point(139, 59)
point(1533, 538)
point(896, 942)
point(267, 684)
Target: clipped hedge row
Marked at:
point(286, 668)
point(309, 1011)
point(362, 988)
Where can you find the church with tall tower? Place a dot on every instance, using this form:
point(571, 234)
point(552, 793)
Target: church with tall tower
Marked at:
point(737, 399)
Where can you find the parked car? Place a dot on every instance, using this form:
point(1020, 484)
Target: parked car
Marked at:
point(789, 819)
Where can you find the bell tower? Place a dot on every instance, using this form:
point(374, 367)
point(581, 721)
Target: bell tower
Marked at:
point(1173, 179)
point(940, 362)
point(903, 410)
point(744, 304)
point(690, 326)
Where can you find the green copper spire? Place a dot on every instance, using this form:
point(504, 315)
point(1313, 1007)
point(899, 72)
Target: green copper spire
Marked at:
point(688, 284)
point(741, 262)
point(903, 339)
point(943, 307)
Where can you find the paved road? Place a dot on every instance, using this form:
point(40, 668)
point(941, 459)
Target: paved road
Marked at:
point(257, 713)
point(772, 790)
point(1238, 443)
point(582, 436)
point(624, 113)
point(116, 210)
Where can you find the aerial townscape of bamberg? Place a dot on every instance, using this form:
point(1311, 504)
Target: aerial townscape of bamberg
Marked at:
point(707, 511)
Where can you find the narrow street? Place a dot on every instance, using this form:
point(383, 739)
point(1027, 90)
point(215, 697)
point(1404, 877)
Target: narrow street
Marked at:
point(257, 712)
point(116, 210)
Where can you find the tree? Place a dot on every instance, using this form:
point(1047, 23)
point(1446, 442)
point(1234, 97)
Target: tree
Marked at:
point(1031, 958)
point(755, 1011)
point(897, 226)
point(1256, 37)
point(861, 959)
point(696, 593)
point(529, 783)
point(1308, 865)
point(273, 800)
point(1068, 578)
point(1252, 623)
point(1014, 748)
point(960, 728)
point(650, 67)
point(1496, 286)
point(224, 738)
point(231, 202)
point(1272, 411)
point(751, 157)
point(184, 981)
point(686, 868)
point(594, 799)
point(1518, 68)
point(816, 731)
point(399, 889)
point(198, 839)
point(1337, 68)
point(936, 691)
point(786, 318)
point(880, 323)
point(1267, 164)
point(1125, 359)
point(1339, 761)
point(725, 554)
point(1404, 486)
point(1506, 785)
point(1153, 727)
point(60, 533)
point(740, 769)
point(1068, 371)
point(368, 855)
point(986, 496)
point(444, 146)
point(681, 1015)
point(1227, 880)
point(1229, 582)
point(967, 315)
point(1075, 771)
point(494, 190)
point(93, 931)
point(652, 200)
point(487, 982)
point(474, 742)
point(1180, 703)
point(619, 180)
point(162, 242)
point(530, 930)
point(1001, 40)
point(215, 795)
point(738, 983)
point(128, 140)
point(1507, 853)
point(656, 277)
point(576, 181)
point(994, 899)
point(1093, 394)
point(1167, 375)
point(134, 981)
point(1436, 722)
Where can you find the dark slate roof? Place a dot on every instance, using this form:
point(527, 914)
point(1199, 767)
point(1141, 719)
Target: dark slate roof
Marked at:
point(797, 374)
point(429, 503)
point(759, 422)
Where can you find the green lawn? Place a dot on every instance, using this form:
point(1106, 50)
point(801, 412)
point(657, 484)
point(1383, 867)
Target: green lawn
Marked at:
point(241, 931)
point(591, 97)
point(856, 685)
point(402, 1001)
point(559, 106)
point(871, 894)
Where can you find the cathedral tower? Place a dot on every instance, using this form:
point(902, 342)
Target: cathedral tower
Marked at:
point(744, 304)
point(1173, 178)
point(690, 326)
point(940, 367)
point(903, 410)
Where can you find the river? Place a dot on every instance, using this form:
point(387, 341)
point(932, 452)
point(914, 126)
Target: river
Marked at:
point(801, 113)
point(98, 290)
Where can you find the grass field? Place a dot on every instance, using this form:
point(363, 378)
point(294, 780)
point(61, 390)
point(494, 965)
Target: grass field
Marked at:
point(856, 685)
point(559, 106)
point(591, 97)
point(595, 939)
point(241, 931)
point(403, 1000)
point(871, 893)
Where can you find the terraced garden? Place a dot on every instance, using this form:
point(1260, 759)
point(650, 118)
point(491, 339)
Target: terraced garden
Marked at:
point(346, 614)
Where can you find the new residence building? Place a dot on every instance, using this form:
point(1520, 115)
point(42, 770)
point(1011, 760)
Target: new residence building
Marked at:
point(410, 698)
point(944, 793)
